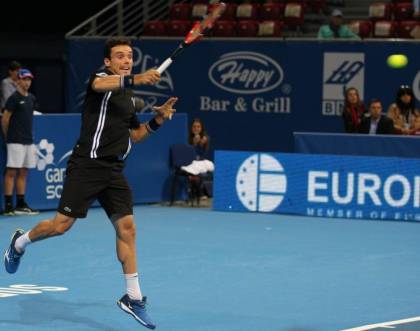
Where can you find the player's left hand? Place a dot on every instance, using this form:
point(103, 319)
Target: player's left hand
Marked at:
point(166, 110)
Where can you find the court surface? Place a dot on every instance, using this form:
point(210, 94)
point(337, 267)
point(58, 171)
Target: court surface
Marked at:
point(210, 271)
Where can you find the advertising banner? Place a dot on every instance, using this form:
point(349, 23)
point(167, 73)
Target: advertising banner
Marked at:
point(373, 188)
point(253, 94)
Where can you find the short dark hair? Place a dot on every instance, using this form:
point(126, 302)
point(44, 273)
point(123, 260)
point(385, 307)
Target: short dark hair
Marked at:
point(14, 65)
point(112, 42)
point(374, 100)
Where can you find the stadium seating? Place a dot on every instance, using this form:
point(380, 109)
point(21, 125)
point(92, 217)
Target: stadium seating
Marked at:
point(316, 6)
point(247, 11)
point(199, 10)
point(180, 11)
point(405, 28)
point(361, 27)
point(224, 29)
point(384, 29)
point(247, 28)
point(272, 11)
point(178, 28)
point(270, 29)
point(155, 28)
point(294, 15)
point(380, 11)
point(403, 11)
point(230, 11)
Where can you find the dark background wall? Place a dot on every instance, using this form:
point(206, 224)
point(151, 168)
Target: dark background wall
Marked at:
point(33, 34)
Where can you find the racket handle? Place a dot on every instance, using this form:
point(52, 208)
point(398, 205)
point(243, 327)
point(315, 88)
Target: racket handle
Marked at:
point(164, 65)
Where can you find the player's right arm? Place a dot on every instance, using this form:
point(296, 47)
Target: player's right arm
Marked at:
point(115, 82)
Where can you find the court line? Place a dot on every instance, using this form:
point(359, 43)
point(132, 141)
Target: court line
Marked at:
point(384, 325)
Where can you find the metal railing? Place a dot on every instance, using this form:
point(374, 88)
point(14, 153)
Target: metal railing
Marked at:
point(122, 17)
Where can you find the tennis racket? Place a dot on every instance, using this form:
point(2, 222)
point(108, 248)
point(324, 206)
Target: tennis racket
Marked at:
point(196, 33)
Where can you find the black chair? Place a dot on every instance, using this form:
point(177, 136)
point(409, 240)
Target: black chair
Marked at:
point(181, 155)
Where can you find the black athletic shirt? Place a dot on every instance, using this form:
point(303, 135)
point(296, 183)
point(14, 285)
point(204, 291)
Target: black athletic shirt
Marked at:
point(106, 120)
point(20, 125)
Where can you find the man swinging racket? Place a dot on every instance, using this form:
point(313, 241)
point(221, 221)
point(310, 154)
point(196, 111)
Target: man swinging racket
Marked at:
point(94, 171)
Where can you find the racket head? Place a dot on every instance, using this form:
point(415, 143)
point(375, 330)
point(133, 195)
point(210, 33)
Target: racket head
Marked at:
point(200, 28)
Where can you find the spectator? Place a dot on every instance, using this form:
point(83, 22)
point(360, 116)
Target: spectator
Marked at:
point(8, 84)
point(198, 137)
point(353, 111)
point(376, 123)
point(21, 152)
point(336, 29)
point(403, 112)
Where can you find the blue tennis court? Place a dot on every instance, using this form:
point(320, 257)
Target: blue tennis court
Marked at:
point(210, 271)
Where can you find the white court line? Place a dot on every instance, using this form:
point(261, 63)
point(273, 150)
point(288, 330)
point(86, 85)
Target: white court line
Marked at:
point(387, 325)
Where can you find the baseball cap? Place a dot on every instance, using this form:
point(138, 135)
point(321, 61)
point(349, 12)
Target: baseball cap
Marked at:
point(25, 73)
point(337, 12)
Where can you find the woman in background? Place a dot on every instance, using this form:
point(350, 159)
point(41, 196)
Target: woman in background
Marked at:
point(353, 111)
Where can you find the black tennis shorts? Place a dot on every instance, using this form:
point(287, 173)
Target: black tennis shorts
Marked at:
point(88, 180)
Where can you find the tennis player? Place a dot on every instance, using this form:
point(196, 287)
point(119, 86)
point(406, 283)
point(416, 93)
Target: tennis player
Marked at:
point(94, 171)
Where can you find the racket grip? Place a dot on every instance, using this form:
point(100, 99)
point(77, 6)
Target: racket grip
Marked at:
point(164, 65)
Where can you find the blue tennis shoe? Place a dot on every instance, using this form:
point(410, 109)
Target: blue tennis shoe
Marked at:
point(137, 309)
point(11, 256)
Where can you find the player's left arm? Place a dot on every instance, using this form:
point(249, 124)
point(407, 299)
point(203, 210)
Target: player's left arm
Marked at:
point(164, 113)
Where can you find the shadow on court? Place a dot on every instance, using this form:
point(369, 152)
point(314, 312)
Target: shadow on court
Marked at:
point(43, 311)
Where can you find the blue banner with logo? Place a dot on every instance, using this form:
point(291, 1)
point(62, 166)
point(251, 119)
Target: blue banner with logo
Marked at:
point(252, 94)
point(318, 185)
point(147, 166)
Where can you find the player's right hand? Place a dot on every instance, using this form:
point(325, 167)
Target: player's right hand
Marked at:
point(149, 77)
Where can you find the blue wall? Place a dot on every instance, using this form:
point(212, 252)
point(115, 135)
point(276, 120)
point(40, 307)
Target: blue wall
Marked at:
point(252, 94)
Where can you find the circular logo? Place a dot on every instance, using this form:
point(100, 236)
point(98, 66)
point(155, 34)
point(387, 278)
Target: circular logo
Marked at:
point(261, 183)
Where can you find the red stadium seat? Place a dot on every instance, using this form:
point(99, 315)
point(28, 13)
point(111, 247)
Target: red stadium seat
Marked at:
point(247, 11)
point(403, 11)
point(199, 10)
point(293, 15)
point(230, 11)
point(270, 29)
point(402, 1)
point(177, 28)
point(155, 28)
point(180, 11)
point(384, 29)
point(247, 28)
point(405, 28)
point(272, 11)
point(316, 6)
point(224, 29)
point(362, 28)
point(380, 11)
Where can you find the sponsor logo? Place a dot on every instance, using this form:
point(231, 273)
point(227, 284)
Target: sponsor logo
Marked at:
point(246, 73)
point(21, 289)
point(54, 173)
point(341, 70)
point(261, 183)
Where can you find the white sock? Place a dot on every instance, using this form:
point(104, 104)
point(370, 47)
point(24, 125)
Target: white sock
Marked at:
point(22, 242)
point(133, 286)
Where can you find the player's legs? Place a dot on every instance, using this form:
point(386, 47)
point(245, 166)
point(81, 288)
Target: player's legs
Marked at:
point(9, 181)
point(126, 243)
point(57, 226)
point(22, 175)
point(20, 239)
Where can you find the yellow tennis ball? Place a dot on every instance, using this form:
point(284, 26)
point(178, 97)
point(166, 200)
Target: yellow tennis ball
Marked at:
point(397, 61)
